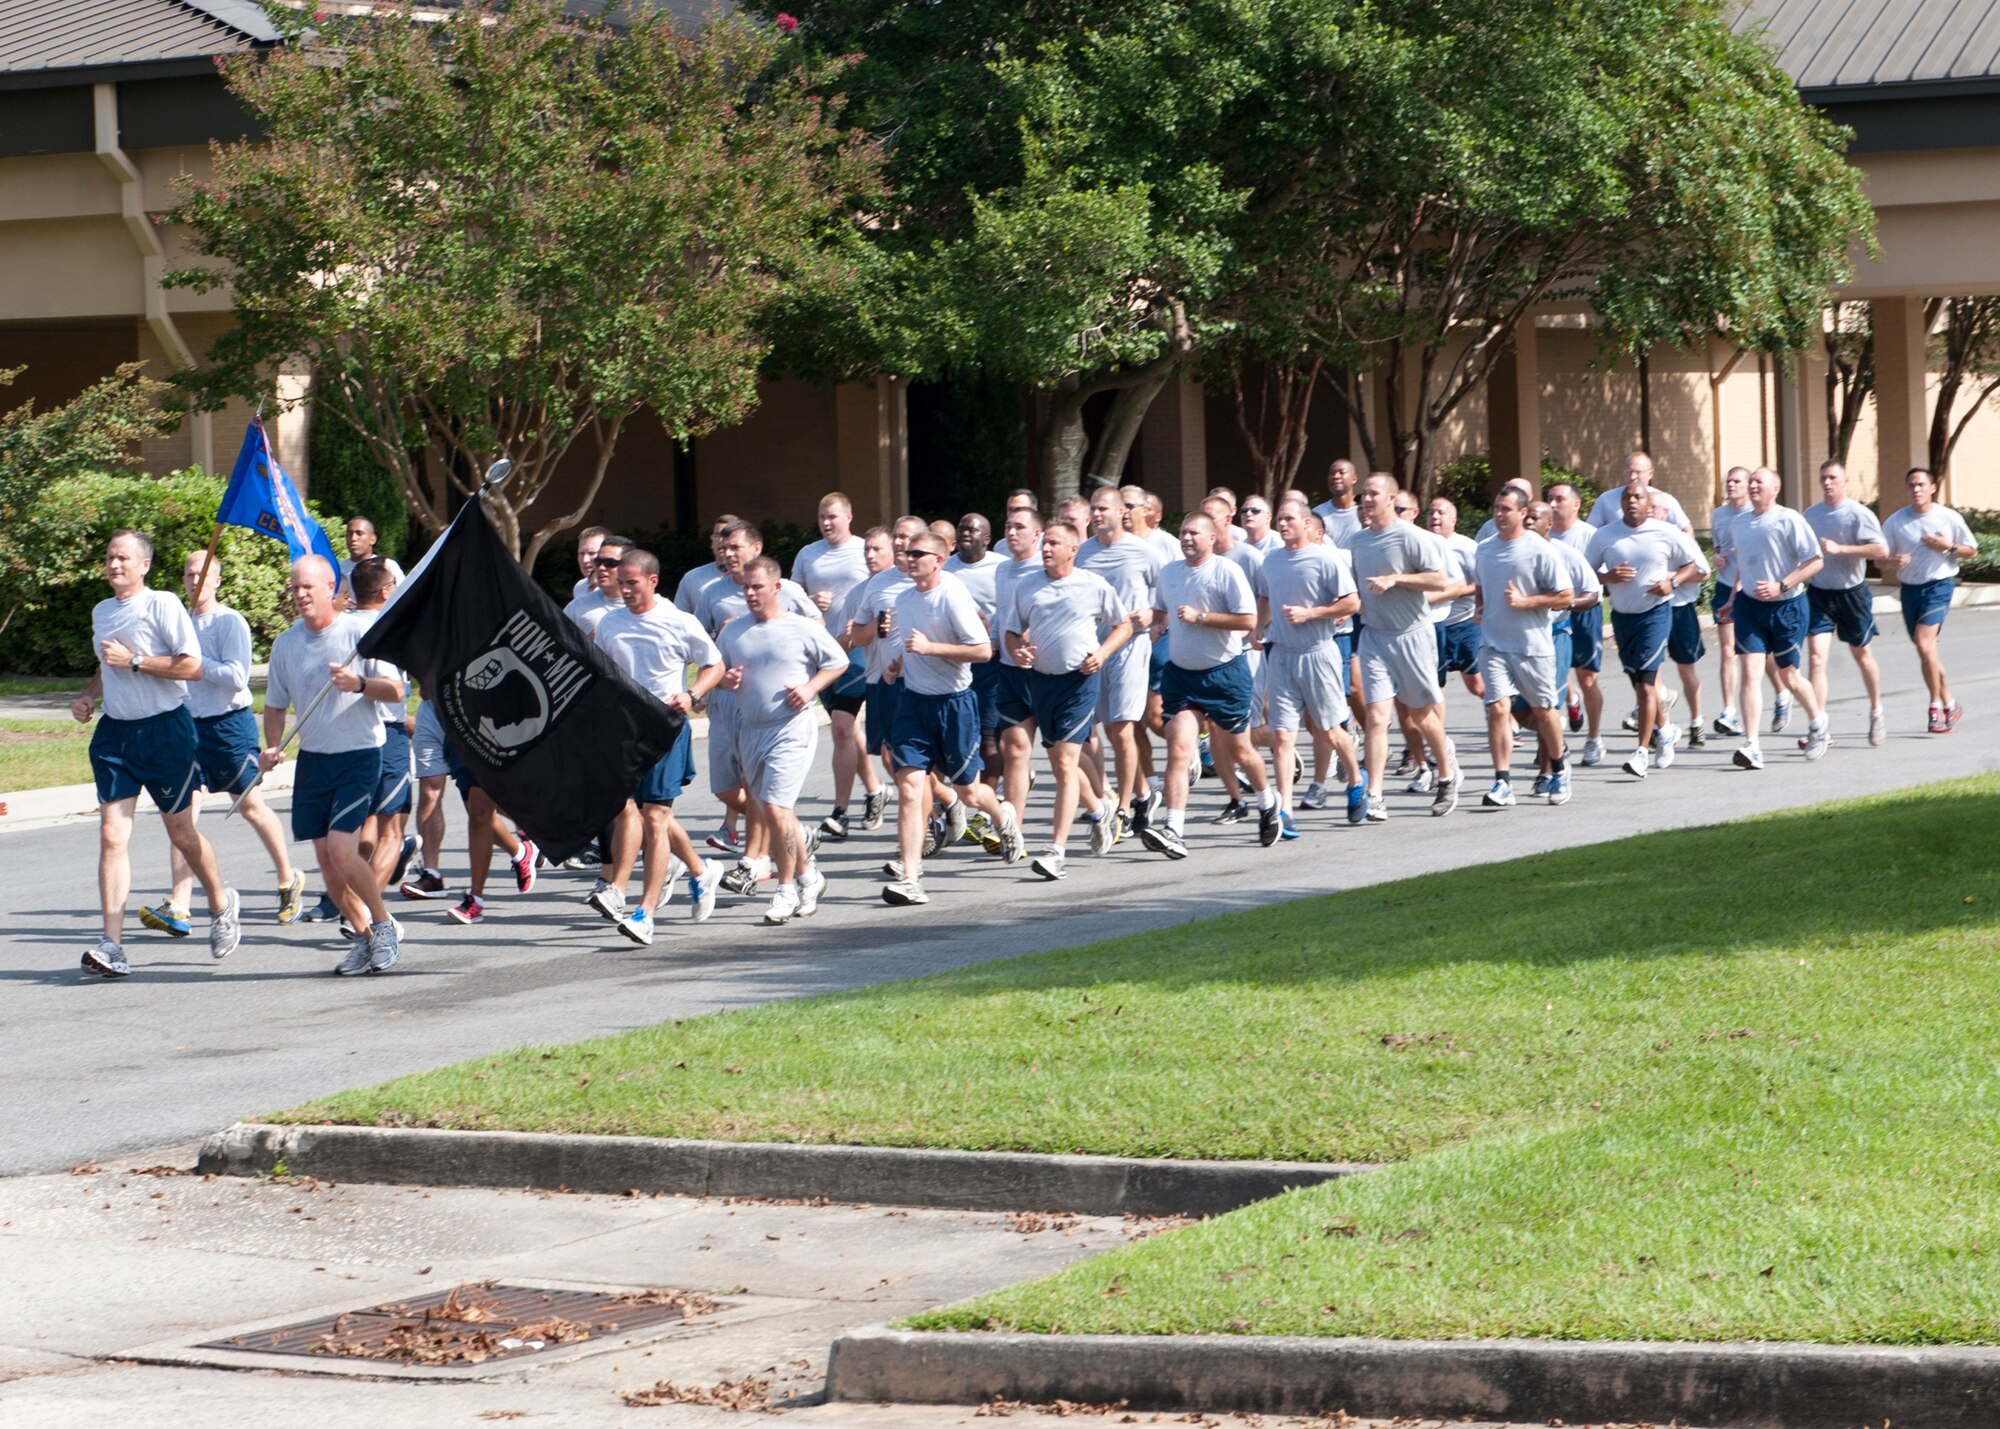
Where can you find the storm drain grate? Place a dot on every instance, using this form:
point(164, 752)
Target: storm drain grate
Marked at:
point(472, 1324)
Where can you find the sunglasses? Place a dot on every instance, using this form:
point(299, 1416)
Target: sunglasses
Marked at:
point(605, 562)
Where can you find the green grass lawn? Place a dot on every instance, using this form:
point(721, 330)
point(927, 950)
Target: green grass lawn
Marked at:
point(40, 684)
point(37, 753)
point(1721, 1083)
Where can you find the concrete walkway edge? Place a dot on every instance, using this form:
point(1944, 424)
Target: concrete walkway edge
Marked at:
point(875, 1175)
point(1726, 1386)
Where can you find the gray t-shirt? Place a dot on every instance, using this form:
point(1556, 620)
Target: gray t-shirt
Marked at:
point(1401, 549)
point(1246, 558)
point(865, 605)
point(149, 622)
point(1719, 522)
point(978, 579)
point(687, 595)
point(1312, 575)
point(655, 647)
point(1770, 545)
point(1465, 566)
point(1340, 521)
point(1130, 565)
point(1652, 548)
point(947, 614)
point(776, 654)
point(1006, 581)
point(1905, 531)
point(1165, 545)
point(1848, 524)
point(723, 600)
point(836, 570)
point(1063, 619)
point(587, 609)
point(1583, 581)
point(1534, 568)
point(1216, 585)
point(299, 660)
point(225, 664)
point(1609, 508)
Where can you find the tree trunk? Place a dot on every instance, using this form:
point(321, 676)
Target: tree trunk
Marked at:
point(1121, 428)
point(1276, 436)
point(1062, 447)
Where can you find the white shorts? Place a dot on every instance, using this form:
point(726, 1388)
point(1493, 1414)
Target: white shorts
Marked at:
point(1400, 667)
point(1121, 684)
point(428, 746)
point(1512, 672)
point(776, 758)
point(1305, 688)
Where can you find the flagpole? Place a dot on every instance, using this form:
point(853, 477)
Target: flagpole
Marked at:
point(291, 734)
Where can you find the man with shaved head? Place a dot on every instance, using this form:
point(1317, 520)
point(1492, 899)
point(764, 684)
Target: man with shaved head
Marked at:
point(1608, 509)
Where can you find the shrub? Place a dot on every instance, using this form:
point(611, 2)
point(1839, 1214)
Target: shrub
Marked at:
point(1983, 523)
point(1986, 565)
point(1468, 484)
point(346, 481)
point(74, 517)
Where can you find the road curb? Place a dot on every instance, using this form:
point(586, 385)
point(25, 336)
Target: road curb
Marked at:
point(878, 1175)
point(1726, 1386)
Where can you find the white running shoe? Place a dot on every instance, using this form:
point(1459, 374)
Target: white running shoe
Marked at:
point(1664, 740)
point(1104, 832)
point(675, 868)
point(1012, 845)
point(225, 926)
point(359, 953)
point(1049, 863)
point(384, 945)
point(1818, 737)
point(1424, 783)
point(1500, 796)
point(812, 883)
point(701, 896)
point(784, 905)
point(1314, 796)
point(1781, 714)
point(1729, 721)
point(1878, 729)
point(955, 819)
point(1635, 763)
point(1748, 757)
point(608, 901)
point(638, 926)
point(1593, 753)
point(905, 893)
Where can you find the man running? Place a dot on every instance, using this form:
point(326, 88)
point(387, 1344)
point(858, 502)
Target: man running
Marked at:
point(1524, 587)
point(1396, 569)
point(340, 753)
point(1256, 514)
point(1773, 553)
point(879, 553)
point(1458, 627)
point(936, 729)
point(1064, 624)
point(1839, 600)
point(777, 662)
point(1021, 538)
point(695, 580)
point(654, 642)
point(975, 565)
point(1641, 561)
point(1609, 507)
point(1130, 565)
point(1211, 612)
point(1926, 542)
point(226, 746)
point(600, 594)
point(1307, 590)
point(361, 542)
point(827, 570)
point(1230, 546)
point(147, 651)
point(1735, 501)
point(1340, 513)
point(589, 543)
point(383, 843)
point(1586, 628)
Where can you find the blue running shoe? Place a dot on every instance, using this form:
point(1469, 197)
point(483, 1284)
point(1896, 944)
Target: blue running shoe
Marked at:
point(1357, 800)
point(167, 919)
point(1286, 828)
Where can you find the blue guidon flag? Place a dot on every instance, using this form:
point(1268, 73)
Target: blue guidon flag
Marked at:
point(261, 498)
point(540, 717)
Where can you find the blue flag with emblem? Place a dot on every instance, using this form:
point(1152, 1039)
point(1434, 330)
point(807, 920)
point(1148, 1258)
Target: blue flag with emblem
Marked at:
point(262, 498)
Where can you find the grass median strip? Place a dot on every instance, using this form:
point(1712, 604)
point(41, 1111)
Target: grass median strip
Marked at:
point(42, 753)
point(1721, 1083)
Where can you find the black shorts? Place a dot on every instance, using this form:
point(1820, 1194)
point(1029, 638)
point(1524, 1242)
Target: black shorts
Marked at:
point(842, 704)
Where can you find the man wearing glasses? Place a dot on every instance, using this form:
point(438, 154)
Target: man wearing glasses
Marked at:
point(1257, 532)
point(602, 596)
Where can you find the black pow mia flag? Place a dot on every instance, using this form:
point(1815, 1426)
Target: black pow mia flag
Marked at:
point(544, 722)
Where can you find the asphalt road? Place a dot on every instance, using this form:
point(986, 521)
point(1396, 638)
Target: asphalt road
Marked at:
point(185, 1045)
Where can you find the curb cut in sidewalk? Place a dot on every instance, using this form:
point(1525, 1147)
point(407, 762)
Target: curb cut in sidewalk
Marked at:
point(878, 1175)
point(1725, 1386)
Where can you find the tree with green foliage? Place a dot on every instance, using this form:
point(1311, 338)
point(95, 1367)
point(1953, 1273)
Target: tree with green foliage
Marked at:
point(508, 231)
point(99, 428)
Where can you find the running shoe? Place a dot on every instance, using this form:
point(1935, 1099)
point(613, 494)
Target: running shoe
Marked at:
point(1593, 753)
point(934, 838)
point(1630, 724)
point(1408, 765)
point(1697, 736)
point(701, 897)
point(1939, 724)
point(408, 852)
point(1952, 715)
point(894, 871)
point(1575, 713)
point(106, 959)
point(1298, 767)
point(524, 865)
point(1378, 810)
point(1635, 763)
point(360, 954)
point(955, 819)
point(1664, 740)
point(1542, 782)
point(225, 926)
point(741, 880)
point(1729, 721)
point(1426, 781)
point(1270, 824)
point(1314, 796)
point(1748, 757)
point(784, 906)
point(726, 840)
point(1161, 838)
point(1447, 794)
point(873, 809)
point(812, 883)
point(1357, 800)
point(1559, 787)
point(428, 884)
point(608, 901)
point(167, 919)
point(581, 862)
point(470, 909)
point(638, 926)
point(905, 893)
point(1116, 819)
point(834, 825)
point(1818, 737)
point(1103, 831)
point(292, 897)
point(675, 868)
point(1233, 812)
point(1207, 758)
point(979, 829)
point(1012, 846)
point(385, 946)
point(1501, 795)
point(1142, 812)
point(1287, 830)
point(1878, 729)
point(1781, 714)
point(323, 911)
point(1049, 864)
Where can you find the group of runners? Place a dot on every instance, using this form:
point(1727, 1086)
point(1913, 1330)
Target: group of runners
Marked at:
point(1142, 661)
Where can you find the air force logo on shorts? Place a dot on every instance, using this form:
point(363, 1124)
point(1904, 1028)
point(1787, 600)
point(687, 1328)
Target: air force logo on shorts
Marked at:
point(509, 696)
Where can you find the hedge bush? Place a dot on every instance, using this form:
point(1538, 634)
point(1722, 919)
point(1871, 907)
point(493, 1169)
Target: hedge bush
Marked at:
point(1468, 484)
point(74, 518)
point(1986, 565)
point(347, 481)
